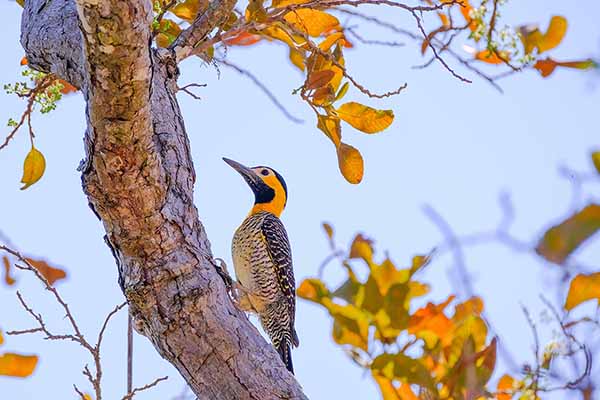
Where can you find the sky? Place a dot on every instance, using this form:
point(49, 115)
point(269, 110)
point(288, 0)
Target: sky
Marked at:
point(453, 146)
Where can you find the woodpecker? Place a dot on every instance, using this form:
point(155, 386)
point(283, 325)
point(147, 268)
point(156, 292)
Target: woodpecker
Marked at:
point(262, 259)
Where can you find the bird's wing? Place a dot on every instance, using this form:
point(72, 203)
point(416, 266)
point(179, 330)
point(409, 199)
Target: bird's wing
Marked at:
point(278, 246)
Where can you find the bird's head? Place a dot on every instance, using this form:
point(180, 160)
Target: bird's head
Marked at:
point(270, 190)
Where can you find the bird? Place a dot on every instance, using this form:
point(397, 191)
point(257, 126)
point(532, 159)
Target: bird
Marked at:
point(262, 259)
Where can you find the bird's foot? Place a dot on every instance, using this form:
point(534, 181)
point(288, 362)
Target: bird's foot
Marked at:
point(241, 298)
point(221, 268)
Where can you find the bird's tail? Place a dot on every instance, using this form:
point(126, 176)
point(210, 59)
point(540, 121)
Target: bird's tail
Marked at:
point(285, 352)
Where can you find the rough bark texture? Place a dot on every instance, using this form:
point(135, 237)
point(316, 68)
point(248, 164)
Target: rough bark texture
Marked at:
point(139, 178)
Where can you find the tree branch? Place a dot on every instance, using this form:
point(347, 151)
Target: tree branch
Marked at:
point(217, 12)
point(138, 176)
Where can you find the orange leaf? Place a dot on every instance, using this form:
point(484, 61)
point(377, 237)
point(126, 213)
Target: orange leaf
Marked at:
point(24, 61)
point(50, 273)
point(425, 44)
point(561, 240)
point(432, 320)
point(8, 279)
point(406, 392)
point(583, 288)
point(312, 289)
point(492, 57)
point(17, 365)
point(318, 79)
point(546, 67)
point(243, 39)
point(350, 162)
point(465, 10)
point(312, 22)
point(505, 387)
point(67, 87)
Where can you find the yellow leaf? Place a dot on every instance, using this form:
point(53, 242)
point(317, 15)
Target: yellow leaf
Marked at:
point(330, 126)
point(17, 365)
point(284, 3)
point(403, 368)
point(554, 35)
point(312, 22)
point(364, 118)
point(351, 163)
point(1, 338)
point(350, 326)
point(561, 240)
point(297, 58)
point(532, 37)
point(583, 288)
point(330, 40)
point(596, 160)
point(188, 9)
point(33, 167)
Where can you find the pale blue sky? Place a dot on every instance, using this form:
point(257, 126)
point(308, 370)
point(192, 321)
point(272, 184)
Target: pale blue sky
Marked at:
point(452, 145)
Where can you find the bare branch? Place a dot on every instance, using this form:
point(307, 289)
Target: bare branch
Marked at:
point(135, 391)
point(185, 44)
point(264, 89)
point(186, 89)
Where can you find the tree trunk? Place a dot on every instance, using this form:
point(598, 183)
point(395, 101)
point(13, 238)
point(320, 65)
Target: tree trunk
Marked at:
point(139, 177)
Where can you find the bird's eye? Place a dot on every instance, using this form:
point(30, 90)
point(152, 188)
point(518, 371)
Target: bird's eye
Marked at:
point(265, 172)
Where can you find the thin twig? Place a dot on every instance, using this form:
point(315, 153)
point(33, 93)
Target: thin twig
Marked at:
point(262, 87)
point(135, 391)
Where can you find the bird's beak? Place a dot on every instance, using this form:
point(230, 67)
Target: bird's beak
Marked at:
point(251, 178)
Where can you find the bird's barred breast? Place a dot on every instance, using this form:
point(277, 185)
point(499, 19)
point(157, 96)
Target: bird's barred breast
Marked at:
point(253, 266)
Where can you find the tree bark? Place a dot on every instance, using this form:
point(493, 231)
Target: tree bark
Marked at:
point(139, 177)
